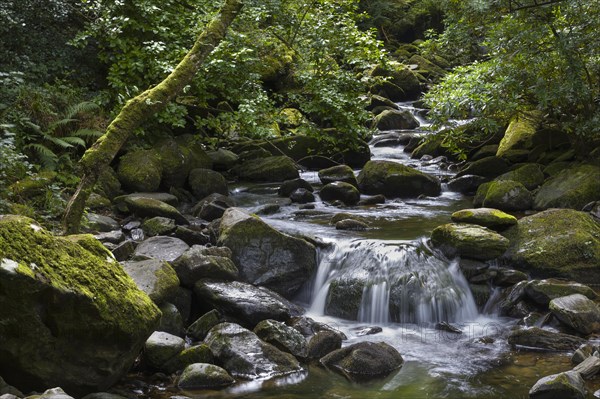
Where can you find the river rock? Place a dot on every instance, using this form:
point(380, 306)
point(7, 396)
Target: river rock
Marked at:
point(175, 163)
point(392, 139)
point(344, 297)
point(158, 226)
point(140, 170)
point(543, 291)
point(95, 223)
point(245, 356)
point(270, 169)
point(108, 184)
point(95, 318)
point(302, 196)
point(52, 393)
point(364, 361)
point(401, 84)
point(223, 159)
point(150, 207)
point(566, 385)
point(588, 367)
point(194, 354)
point(171, 320)
point(204, 182)
point(487, 217)
point(204, 376)
point(340, 191)
point(506, 195)
point(486, 167)
point(529, 175)
point(162, 248)
point(195, 264)
point(577, 312)
point(469, 241)
point(283, 337)
point(542, 339)
point(103, 395)
point(372, 200)
point(467, 184)
point(571, 188)
point(163, 197)
point(155, 277)
point(245, 302)
point(393, 119)
point(556, 243)
point(263, 255)
point(289, 186)
point(160, 347)
point(212, 206)
point(396, 180)
point(323, 343)
point(342, 173)
point(519, 134)
point(309, 327)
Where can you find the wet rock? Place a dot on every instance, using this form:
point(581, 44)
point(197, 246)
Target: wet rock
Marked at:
point(283, 337)
point(103, 395)
point(506, 195)
point(204, 182)
point(369, 331)
point(344, 215)
point(182, 299)
point(113, 237)
point(447, 327)
point(486, 167)
point(344, 298)
point(467, 184)
point(204, 376)
point(470, 241)
point(200, 328)
point(271, 169)
point(212, 206)
point(289, 186)
point(190, 236)
point(245, 302)
point(194, 354)
point(352, 225)
point(162, 197)
point(161, 248)
point(223, 159)
point(571, 188)
point(543, 291)
point(583, 352)
point(487, 217)
point(529, 175)
point(158, 226)
point(364, 361)
point(263, 255)
point(245, 356)
point(87, 302)
point(161, 347)
point(150, 207)
point(8, 391)
point(373, 200)
point(302, 196)
point(340, 191)
point(195, 264)
point(396, 180)
point(155, 277)
point(567, 385)
point(309, 327)
point(123, 251)
point(95, 223)
point(393, 139)
point(140, 170)
point(395, 120)
point(323, 343)
point(508, 277)
point(341, 173)
point(53, 393)
point(577, 312)
point(542, 339)
point(593, 208)
point(402, 83)
point(589, 367)
point(558, 243)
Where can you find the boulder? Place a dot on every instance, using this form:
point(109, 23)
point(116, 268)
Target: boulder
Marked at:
point(245, 302)
point(506, 195)
point(578, 312)
point(171, 320)
point(556, 243)
point(161, 248)
point(195, 264)
point(566, 385)
point(94, 223)
point(158, 226)
point(150, 207)
point(396, 180)
point(245, 356)
point(64, 305)
point(140, 170)
point(543, 291)
point(283, 337)
point(194, 151)
point(204, 182)
point(392, 119)
point(467, 184)
point(204, 376)
point(161, 347)
point(344, 297)
point(469, 241)
point(155, 277)
point(108, 184)
point(302, 196)
point(340, 191)
point(323, 343)
point(537, 338)
point(194, 354)
point(392, 139)
point(487, 217)
point(529, 175)
point(572, 188)
point(223, 159)
point(212, 206)
point(402, 83)
point(486, 167)
point(588, 367)
point(167, 198)
point(270, 169)
point(263, 255)
point(519, 134)
point(342, 173)
point(199, 329)
point(308, 327)
point(175, 163)
point(289, 186)
point(364, 361)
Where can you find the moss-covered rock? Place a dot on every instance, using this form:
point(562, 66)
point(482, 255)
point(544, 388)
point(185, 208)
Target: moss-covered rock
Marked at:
point(158, 226)
point(108, 184)
point(566, 385)
point(204, 182)
point(63, 305)
point(529, 175)
point(323, 343)
point(193, 149)
point(194, 354)
point(340, 191)
point(200, 328)
point(342, 173)
point(556, 167)
point(155, 277)
point(392, 119)
point(506, 195)
point(150, 207)
point(426, 67)
point(487, 167)
point(196, 264)
point(35, 185)
point(402, 83)
point(543, 291)
point(140, 170)
point(488, 217)
point(557, 243)
point(396, 180)
point(469, 241)
point(161, 347)
point(578, 312)
point(270, 169)
point(283, 337)
point(223, 159)
point(352, 225)
point(344, 298)
point(204, 376)
point(572, 188)
point(175, 163)
point(519, 134)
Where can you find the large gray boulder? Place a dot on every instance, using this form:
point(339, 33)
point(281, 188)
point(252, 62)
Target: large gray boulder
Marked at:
point(578, 312)
point(392, 119)
point(571, 188)
point(566, 385)
point(469, 241)
point(155, 277)
point(263, 255)
point(71, 316)
point(162, 248)
point(197, 263)
point(393, 180)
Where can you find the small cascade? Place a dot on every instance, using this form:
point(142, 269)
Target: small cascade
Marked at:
point(381, 281)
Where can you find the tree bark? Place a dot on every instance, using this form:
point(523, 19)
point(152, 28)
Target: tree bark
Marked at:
point(142, 107)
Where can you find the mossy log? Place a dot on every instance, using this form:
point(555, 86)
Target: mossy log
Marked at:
point(143, 107)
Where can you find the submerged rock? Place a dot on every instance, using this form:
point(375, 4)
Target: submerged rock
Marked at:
point(468, 240)
point(577, 312)
point(567, 385)
point(70, 317)
point(396, 180)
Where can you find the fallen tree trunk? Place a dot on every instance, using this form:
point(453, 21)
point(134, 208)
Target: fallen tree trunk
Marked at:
point(142, 107)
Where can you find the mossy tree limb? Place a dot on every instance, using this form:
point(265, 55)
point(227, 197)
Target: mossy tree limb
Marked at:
point(143, 106)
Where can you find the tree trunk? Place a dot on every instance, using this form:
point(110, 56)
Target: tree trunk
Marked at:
point(142, 107)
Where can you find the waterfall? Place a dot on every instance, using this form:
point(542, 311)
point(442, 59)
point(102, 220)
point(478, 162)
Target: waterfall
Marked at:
point(377, 281)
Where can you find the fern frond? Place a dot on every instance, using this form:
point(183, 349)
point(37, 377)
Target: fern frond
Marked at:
point(74, 140)
point(59, 141)
point(60, 123)
point(85, 133)
point(81, 108)
point(41, 150)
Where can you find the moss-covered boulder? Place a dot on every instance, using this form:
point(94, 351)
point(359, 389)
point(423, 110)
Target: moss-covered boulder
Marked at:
point(487, 167)
point(467, 184)
point(340, 191)
point(158, 226)
point(543, 291)
point(194, 151)
point(323, 343)
point(204, 376)
point(566, 385)
point(155, 277)
point(140, 170)
point(194, 354)
point(396, 180)
point(529, 175)
point(556, 243)
point(69, 317)
point(402, 83)
point(578, 312)
point(469, 241)
point(344, 298)
point(572, 188)
point(392, 119)
point(270, 169)
point(161, 347)
point(223, 159)
point(426, 67)
point(506, 195)
point(342, 173)
point(519, 134)
point(150, 207)
point(108, 184)
point(263, 255)
point(175, 163)
point(543, 339)
point(204, 182)
point(488, 217)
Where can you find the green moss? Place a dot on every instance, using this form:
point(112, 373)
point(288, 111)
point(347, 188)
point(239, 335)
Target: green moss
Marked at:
point(520, 132)
point(507, 195)
point(529, 175)
point(571, 188)
point(33, 185)
point(140, 170)
point(487, 217)
point(91, 244)
point(108, 184)
point(396, 180)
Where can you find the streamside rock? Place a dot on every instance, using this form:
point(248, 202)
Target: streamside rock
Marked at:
point(364, 361)
point(572, 188)
point(289, 186)
point(204, 376)
point(194, 354)
point(491, 218)
point(161, 347)
point(393, 119)
point(469, 241)
point(245, 356)
point(95, 320)
point(302, 196)
point(263, 255)
point(140, 170)
point(543, 291)
point(323, 343)
point(542, 339)
point(506, 195)
point(519, 134)
point(245, 302)
point(212, 206)
point(204, 182)
point(566, 385)
point(283, 337)
point(396, 180)
point(486, 167)
point(342, 173)
point(155, 277)
point(270, 169)
point(577, 312)
point(340, 191)
point(162, 248)
point(529, 175)
point(556, 243)
point(150, 207)
point(195, 264)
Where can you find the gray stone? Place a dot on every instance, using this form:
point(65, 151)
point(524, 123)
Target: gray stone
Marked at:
point(155, 277)
point(395, 120)
point(113, 237)
point(171, 320)
point(342, 173)
point(204, 376)
point(200, 328)
point(589, 367)
point(567, 385)
point(340, 191)
point(323, 343)
point(194, 265)
point(223, 159)
point(542, 339)
point(158, 226)
point(577, 312)
point(302, 196)
point(204, 182)
point(543, 291)
point(283, 337)
point(95, 223)
point(161, 347)
point(289, 186)
point(161, 248)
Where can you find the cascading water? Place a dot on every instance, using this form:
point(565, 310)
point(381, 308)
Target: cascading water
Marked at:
point(381, 281)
